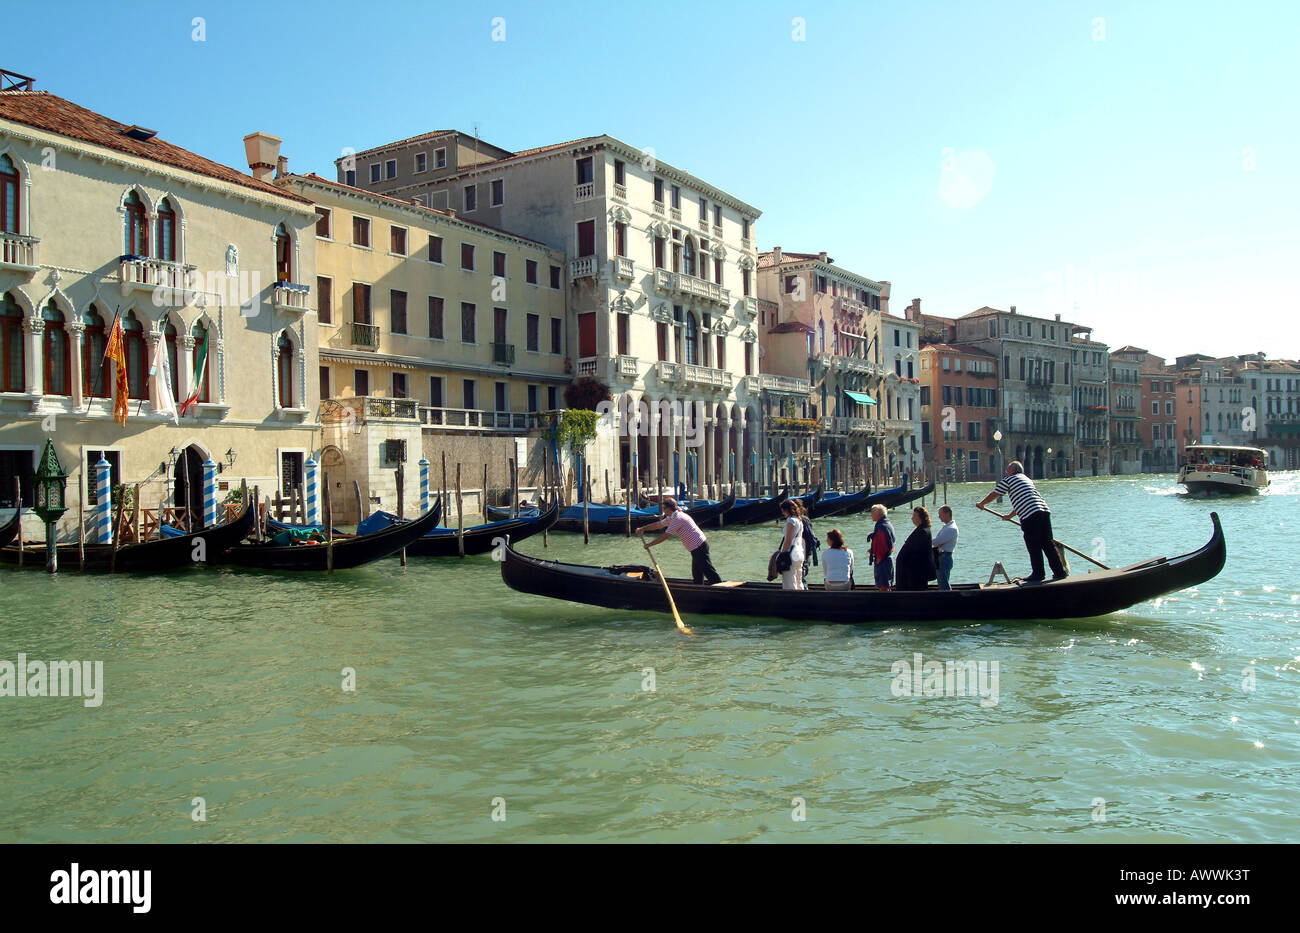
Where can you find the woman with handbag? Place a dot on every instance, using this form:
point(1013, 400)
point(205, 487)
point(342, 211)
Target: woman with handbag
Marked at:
point(790, 557)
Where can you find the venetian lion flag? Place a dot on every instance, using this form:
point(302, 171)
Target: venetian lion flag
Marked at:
point(160, 372)
point(117, 353)
point(194, 390)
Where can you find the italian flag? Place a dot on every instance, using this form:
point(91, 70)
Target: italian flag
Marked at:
point(193, 390)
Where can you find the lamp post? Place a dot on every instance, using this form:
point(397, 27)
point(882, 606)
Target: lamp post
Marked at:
point(51, 485)
point(1049, 462)
point(997, 449)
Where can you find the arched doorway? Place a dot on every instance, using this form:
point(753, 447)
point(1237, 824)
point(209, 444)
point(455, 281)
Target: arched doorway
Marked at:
point(187, 486)
point(334, 471)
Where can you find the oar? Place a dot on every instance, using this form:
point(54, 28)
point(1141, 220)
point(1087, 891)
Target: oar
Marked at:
point(1054, 541)
point(667, 592)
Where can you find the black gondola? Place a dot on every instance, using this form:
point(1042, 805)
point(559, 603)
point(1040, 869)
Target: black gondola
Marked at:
point(842, 504)
point(809, 499)
point(751, 511)
point(9, 530)
point(893, 498)
point(1079, 596)
point(612, 519)
point(348, 552)
point(480, 539)
point(273, 525)
point(157, 556)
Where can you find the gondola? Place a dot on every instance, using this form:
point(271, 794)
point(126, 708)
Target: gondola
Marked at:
point(348, 552)
point(893, 498)
point(157, 556)
point(480, 539)
point(9, 530)
point(809, 499)
point(1078, 596)
point(372, 522)
point(603, 519)
point(839, 503)
point(752, 511)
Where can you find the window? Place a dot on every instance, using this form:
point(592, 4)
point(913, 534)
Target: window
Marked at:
point(534, 333)
point(585, 172)
point(499, 264)
point(421, 162)
point(12, 352)
point(435, 391)
point(532, 398)
point(435, 317)
point(137, 356)
point(324, 299)
point(468, 396)
point(704, 209)
point(96, 372)
point(661, 333)
point(498, 192)
point(821, 288)
point(717, 215)
point(360, 303)
point(58, 368)
point(620, 173)
point(692, 338)
point(620, 239)
point(92, 457)
point(284, 370)
point(397, 312)
point(502, 397)
point(688, 257)
point(471, 198)
point(587, 238)
point(200, 334)
point(374, 173)
point(677, 197)
point(137, 226)
point(9, 197)
point(659, 252)
point(1155, 408)
point(440, 158)
point(390, 169)
point(350, 177)
point(323, 218)
point(400, 387)
point(467, 256)
point(360, 231)
point(435, 248)
point(555, 277)
point(791, 284)
point(744, 227)
point(557, 341)
point(166, 231)
point(325, 382)
point(283, 255)
point(659, 191)
point(467, 325)
point(744, 282)
point(552, 398)
point(360, 382)
point(1169, 408)
point(749, 359)
point(896, 336)
point(587, 335)
point(397, 240)
point(530, 271)
point(721, 361)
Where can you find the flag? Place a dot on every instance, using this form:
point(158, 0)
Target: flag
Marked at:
point(193, 390)
point(161, 373)
point(117, 353)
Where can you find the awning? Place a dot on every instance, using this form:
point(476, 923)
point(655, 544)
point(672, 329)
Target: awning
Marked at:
point(861, 398)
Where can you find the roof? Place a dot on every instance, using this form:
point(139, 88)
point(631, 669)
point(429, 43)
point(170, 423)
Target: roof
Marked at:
point(769, 258)
point(981, 312)
point(45, 111)
point(1129, 349)
point(791, 327)
point(315, 179)
point(950, 348)
point(402, 142)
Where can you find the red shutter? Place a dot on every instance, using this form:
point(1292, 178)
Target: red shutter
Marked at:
point(587, 335)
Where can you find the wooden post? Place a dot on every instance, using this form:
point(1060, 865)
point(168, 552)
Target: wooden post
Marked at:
point(483, 503)
point(446, 503)
point(546, 490)
point(460, 517)
point(257, 515)
point(586, 531)
point(401, 500)
point(117, 530)
point(514, 488)
point(18, 504)
point(329, 527)
point(81, 534)
point(356, 491)
point(608, 500)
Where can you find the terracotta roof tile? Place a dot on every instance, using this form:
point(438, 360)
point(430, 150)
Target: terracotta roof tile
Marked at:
point(46, 111)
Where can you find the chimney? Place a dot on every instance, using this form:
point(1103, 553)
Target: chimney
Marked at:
point(1013, 309)
point(1058, 317)
point(451, 212)
point(822, 256)
point(263, 151)
point(281, 166)
point(776, 255)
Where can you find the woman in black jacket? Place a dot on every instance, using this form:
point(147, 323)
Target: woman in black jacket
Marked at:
point(914, 565)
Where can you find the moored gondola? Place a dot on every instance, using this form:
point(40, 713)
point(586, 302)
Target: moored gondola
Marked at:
point(838, 503)
point(893, 498)
point(605, 519)
point(157, 556)
point(9, 530)
point(480, 539)
point(750, 511)
point(1079, 596)
point(373, 522)
point(347, 553)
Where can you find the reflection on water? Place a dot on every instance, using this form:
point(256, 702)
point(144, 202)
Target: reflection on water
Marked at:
point(1182, 715)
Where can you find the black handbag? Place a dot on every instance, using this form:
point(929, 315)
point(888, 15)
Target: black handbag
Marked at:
point(783, 561)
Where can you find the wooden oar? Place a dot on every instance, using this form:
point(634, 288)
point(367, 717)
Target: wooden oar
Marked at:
point(667, 592)
point(1054, 541)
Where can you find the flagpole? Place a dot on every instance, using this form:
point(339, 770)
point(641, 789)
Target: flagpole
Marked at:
point(100, 369)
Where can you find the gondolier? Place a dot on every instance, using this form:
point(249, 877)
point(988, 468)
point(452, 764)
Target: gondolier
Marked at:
point(1035, 521)
point(678, 523)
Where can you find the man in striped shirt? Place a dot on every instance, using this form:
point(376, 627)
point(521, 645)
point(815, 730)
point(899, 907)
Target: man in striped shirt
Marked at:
point(677, 522)
point(1035, 521)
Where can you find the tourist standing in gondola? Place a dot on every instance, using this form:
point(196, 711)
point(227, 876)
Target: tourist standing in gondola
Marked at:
point(810, 543)
point(945, 542)
point(792, 545)
point(881, 547)
point(1035, 521)
point(676, 522)
point(916, 556)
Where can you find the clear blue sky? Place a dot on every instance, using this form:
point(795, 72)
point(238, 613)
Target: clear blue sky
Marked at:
point(1144, 170)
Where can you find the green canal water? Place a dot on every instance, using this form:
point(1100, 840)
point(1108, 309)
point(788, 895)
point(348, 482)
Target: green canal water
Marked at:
point(472, 700)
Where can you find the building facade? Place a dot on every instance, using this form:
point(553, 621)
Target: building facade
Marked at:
point(660, 289)
point(105, 222)
point(1159, 419)
point(901, 389)
point(959, 411)
point(1090, 359)
point(1126, 441)
point(1275, 398)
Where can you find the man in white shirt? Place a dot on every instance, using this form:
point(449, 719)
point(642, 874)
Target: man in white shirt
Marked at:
point(945, 542)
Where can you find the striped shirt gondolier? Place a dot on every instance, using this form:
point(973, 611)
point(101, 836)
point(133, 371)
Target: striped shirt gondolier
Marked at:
point(1025, 498)
point(682, 525)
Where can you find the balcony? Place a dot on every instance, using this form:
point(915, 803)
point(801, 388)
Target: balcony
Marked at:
point(19, 252)
point(775, 424)
point(841, 424)
point(286, 296)
point(620, 192)
point(692, 375)
point(625, 367)
point(474, 419)
point(682, 284)
point(900, 424)
point(750, 307)
point(584, 191)
point(704, 225)
point(784, 385)
point(503, 354)
point(624, 268)
point(751, 385)
point(587, 366)
point(658, 207)
point(848, 364)
point(139, 273)
point(846, 305)
point(365, 336)
point(582, 268)
point(675, 213)
point(391, 408)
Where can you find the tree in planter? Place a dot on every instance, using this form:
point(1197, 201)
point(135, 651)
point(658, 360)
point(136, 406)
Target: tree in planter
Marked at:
point(577, 429)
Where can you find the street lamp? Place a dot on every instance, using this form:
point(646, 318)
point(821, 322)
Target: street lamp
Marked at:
point(997, 440)
point(1049, 461)
point(51, 487)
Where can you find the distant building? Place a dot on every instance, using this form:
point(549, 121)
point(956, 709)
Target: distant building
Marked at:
point(959, 411)
point(1275, 397)
point(1159, 416)
point(1092, 401)
point(1126, 440)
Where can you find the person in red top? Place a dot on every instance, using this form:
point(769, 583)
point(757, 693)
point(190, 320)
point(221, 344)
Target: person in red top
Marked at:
point(677, 522)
